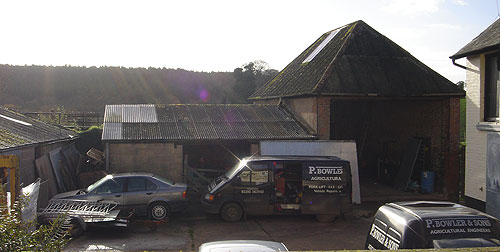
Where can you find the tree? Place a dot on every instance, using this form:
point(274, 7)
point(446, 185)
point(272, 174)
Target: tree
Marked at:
point(18, 235)
point(461, 85)
point(250, 77)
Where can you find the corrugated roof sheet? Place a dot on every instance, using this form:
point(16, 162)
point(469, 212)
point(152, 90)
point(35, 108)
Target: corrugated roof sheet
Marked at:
point(17, 130)
point(357, 61)
point(200, 122)
point(487, 40)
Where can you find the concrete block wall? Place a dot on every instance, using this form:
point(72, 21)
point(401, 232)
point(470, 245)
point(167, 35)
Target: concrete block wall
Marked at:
point(475, 154)
point(162, 159)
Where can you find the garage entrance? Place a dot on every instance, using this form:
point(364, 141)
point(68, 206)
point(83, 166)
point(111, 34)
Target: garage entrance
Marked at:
point(214, 158)
point(384, 131)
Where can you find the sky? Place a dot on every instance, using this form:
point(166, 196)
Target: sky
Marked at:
point(221, 35)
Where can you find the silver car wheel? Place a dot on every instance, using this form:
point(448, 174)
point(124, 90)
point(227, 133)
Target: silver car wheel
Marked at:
point(158, 211)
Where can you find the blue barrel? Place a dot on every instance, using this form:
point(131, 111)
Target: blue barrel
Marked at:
point(427, 182)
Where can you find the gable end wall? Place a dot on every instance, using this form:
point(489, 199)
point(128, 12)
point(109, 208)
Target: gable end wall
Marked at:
point(475, 154)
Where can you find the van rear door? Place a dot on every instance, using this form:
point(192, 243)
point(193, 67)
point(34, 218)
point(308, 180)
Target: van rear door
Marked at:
point(325, 185)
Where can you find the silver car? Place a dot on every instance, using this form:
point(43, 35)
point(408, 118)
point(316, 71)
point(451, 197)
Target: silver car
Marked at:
point(145, 194)
point(242, 246)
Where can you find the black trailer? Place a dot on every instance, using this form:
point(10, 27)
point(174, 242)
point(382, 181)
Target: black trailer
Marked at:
point(283, 185)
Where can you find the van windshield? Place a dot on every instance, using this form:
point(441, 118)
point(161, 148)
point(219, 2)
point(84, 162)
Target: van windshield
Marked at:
point(236, 169)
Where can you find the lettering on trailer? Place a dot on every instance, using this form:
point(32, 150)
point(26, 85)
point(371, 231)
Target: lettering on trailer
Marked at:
point(384, 238)
point(458, 226)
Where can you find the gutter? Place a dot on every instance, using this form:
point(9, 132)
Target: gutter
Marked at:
point(458, 65)
point(37, 144)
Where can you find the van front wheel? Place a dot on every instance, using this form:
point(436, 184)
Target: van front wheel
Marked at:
point(231, 212)
point(325, 218)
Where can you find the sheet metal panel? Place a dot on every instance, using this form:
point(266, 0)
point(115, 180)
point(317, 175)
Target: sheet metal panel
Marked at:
point(113, 114)
point(215, 114)
point(142, 113)
point(276, 130)
point(112, 131)
point(207, 131)
point(165, 113)
point(131, 131)
point(265, 115)
point(259, 130)
point(187, 131)
point(279, 113)
point(198, 113)
point(294, 130)
point(248, 113)
point(224, 130)
point(192, 122)
point(151, 131)
point(231, 114)
point(148, 113)
point(169, 130)
point(240, 130)
point(182, 114)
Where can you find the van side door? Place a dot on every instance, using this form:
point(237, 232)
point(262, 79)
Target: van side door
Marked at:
point(254, 188)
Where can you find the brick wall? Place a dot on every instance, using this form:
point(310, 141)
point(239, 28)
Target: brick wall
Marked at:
point(324, 118)
point(305, 109)
point(163, 159)
point(475, 154)
point(451, 131)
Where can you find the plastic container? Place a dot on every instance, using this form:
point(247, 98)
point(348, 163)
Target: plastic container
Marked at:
point(427, 182)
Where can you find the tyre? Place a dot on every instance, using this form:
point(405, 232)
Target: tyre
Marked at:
point(325, 218)
point(75, 229)
point(231, 212)
point(158, 211)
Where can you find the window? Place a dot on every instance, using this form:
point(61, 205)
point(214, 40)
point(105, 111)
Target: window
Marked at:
point(257, 174)
point(111, 186)
point(150, 186)
point(491, 88)
point(136, 184)
point(322, 45)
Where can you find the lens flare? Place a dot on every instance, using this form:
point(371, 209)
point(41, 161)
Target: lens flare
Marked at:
point(204, 95)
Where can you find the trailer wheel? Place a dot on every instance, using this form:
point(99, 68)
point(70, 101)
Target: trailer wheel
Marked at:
point(325, 218)
point(231, 212)
point(75, 229)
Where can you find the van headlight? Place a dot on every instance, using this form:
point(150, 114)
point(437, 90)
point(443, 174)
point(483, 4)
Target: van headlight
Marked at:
point(209, 197)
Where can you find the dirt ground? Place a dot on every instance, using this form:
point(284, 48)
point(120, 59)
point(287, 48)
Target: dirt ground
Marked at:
point(186, 231)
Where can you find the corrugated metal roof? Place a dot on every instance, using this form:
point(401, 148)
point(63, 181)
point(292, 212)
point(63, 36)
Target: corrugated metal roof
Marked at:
point(18, 130)
point(357, 61)
point(200, 122)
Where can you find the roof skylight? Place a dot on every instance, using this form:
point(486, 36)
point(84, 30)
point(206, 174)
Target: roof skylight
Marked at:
point(15, 120)
point(322, 45)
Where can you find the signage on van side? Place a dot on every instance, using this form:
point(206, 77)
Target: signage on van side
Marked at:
point(383, 238)
point(443, 226)
point(324, 179)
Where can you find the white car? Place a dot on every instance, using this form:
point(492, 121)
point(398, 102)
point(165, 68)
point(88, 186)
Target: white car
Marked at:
point(242, 246)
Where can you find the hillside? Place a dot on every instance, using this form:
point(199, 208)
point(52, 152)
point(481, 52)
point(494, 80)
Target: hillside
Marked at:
point(89, 89)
